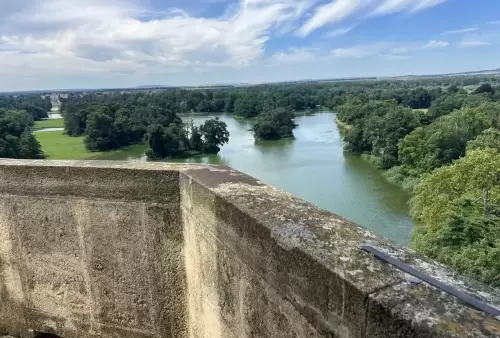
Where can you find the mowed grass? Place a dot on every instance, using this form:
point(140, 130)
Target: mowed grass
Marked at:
point(55, 123)
point(57, 146)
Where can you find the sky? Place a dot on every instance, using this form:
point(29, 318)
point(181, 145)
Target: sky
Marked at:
point(63, 44)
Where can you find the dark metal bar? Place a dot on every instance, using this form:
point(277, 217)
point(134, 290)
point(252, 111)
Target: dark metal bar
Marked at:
point(472, 301)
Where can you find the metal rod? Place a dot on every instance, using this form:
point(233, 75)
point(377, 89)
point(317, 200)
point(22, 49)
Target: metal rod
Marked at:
point(472, 301)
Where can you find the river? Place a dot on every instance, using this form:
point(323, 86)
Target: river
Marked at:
point(314, 167)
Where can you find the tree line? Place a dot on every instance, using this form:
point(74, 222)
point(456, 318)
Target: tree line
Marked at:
point(111, 121)
point(449, 157)
point(17, 116)
point(438, 137)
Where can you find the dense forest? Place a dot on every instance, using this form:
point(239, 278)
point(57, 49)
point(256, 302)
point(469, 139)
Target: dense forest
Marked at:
point(111, 121)
point(17, 116)
point(447, 152)
point(438, 138)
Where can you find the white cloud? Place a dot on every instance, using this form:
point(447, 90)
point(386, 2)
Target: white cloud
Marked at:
point(338, 10)
point(82, 36)
point(435, 44)
point(461, 31)
point(332, 12)
point(423, 4)
point(473, 43)
point(496, 22)
point(339, 31)
point(393, 6)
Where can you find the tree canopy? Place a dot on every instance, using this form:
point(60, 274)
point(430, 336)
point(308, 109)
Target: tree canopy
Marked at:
point(16, 138)
point(274, 125)
point(458, 207)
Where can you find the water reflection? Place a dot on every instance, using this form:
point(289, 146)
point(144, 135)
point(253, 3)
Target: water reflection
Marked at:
point(313, 166)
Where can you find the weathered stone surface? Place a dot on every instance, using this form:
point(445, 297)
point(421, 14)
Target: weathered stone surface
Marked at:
point(81, 264)
point(312, 259)
point(111, 249)
point(91, 179)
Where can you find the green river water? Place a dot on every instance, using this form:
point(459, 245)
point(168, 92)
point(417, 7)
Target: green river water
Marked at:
point(314, 167)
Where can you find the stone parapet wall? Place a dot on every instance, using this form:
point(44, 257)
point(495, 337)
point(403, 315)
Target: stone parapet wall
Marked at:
point(112, 249)
point(90, 250)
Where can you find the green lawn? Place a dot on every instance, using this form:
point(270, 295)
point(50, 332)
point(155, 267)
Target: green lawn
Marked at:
point(57, 146)
point(55, 123)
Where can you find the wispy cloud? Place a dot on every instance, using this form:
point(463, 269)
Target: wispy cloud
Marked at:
point(433, 44)
point(390, 50)
point(473, 43)
point(339, 10)
point(332, 12)
point(339, 31)
point(393, 6)
point(461, 31)
point(496, 22)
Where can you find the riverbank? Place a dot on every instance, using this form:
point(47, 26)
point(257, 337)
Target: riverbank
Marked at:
point(343, 124)
point(395, 175)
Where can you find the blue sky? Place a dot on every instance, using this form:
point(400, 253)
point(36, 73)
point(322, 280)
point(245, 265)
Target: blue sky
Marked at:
point(119, 43)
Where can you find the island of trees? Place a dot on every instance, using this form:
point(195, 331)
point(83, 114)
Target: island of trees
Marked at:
point(274, 124)
point(437, 137)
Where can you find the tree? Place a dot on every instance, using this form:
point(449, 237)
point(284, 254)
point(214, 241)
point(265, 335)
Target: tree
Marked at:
point(484, 88)
point(16, 139)
point(458, 207)
point(29, 147)
point(36, 111)
point(445, 140)
point(100, 132)
point(128, 127)
point(490, 138)
point(229, 103)
point(75, 121)
point(445, 105)
point(245, 107)
point(214, 134)
point(165, 142)
point(195, 137)
point(47, 104)
point(469, 177)
point(274, 125)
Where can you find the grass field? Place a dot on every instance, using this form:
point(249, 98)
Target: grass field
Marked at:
point(55, 123)
point(57, 146)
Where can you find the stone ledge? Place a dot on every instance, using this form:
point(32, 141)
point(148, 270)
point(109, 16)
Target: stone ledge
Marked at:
point(299, 236)
point(309, 256)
